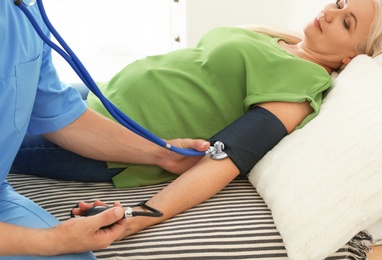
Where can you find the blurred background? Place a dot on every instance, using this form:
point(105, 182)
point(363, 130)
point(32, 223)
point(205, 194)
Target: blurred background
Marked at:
point(109, 34)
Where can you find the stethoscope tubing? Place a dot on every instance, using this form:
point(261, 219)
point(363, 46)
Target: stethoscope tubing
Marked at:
point(72, 59)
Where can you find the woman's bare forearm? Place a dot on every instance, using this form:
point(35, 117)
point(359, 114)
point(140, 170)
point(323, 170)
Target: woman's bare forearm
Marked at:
point(193, 187)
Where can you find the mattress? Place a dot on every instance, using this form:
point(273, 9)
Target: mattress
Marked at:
point(234, 224)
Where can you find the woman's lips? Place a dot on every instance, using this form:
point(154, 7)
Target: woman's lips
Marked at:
point(317, 24)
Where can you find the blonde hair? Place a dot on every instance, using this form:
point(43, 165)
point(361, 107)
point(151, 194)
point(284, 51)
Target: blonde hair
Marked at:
point(372, 46)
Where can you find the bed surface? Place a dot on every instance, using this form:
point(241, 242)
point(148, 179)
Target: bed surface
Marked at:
point(234, 224)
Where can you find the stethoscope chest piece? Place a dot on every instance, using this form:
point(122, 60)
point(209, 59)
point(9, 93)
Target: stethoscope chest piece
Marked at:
point(217, 151)
point(25, 2)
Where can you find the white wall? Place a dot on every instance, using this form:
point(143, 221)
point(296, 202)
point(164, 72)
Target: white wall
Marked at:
point(199, 16)
point(115, 25)
point(108, 34)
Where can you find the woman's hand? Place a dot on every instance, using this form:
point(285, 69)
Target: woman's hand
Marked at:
point(178, 164)
point(131, 224)
point(83, 206)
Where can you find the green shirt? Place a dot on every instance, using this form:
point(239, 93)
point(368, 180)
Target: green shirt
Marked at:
point(195, 92)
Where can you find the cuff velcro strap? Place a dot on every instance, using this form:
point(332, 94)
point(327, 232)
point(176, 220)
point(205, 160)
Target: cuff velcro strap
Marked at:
point(250, 137)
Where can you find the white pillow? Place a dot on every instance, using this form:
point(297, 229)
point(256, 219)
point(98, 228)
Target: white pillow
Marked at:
point(323, 183)
point(376, 229)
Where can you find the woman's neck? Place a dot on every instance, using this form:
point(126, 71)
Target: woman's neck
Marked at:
point(302, 53)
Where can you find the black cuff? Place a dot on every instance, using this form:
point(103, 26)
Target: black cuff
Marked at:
point(250, 137)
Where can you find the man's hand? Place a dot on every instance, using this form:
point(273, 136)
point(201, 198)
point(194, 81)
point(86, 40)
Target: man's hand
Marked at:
point(76, 235)
point(178, 164)
point(82, 234)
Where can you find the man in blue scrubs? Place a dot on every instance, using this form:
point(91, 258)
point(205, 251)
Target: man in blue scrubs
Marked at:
point(34, 101)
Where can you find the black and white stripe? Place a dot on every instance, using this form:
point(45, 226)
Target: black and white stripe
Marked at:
point(234, 224)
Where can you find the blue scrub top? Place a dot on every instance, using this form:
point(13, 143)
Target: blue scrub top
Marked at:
point(32, 98)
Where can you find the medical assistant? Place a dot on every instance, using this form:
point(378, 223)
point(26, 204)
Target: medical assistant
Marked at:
point(32, 101)
point(196, 92)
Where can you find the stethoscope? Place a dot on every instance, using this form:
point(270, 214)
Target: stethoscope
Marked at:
point(216, 151)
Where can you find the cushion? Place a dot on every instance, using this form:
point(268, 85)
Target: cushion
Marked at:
point(323, 183)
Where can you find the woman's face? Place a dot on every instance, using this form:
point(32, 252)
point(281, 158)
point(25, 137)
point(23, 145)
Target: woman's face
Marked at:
point(339, 28)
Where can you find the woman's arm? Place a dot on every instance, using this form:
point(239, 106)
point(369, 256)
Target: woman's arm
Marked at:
point(209, 176)
point(290, 114)
point(95, 136)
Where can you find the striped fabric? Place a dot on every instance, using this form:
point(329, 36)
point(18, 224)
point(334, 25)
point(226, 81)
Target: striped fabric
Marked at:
point(234, 224)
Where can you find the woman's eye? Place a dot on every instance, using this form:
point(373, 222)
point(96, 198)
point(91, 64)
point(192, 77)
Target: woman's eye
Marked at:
point(339, 6)
point(346, 25)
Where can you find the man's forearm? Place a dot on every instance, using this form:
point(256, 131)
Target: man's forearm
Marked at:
point(97, 137)
point(17, 240)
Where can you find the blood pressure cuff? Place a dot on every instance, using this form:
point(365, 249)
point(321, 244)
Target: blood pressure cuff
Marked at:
point(250, 137)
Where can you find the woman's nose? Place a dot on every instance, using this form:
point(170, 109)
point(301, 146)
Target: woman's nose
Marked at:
point(329, 14)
